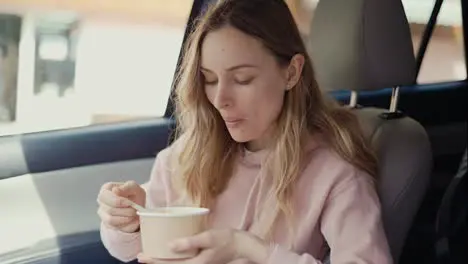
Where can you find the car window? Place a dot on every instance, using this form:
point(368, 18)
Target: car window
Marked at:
point(444, 58)
point(67, 64)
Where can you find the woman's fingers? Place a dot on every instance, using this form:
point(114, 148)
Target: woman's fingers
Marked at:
point(115, 208)
point(144, 259)
point(117, 211)
point(114, 221)
point(112, 200)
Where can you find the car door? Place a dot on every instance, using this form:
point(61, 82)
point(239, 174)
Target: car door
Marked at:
point(52, 163)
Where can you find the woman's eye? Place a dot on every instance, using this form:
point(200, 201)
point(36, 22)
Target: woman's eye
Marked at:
point(245, 81)
point(207, 82)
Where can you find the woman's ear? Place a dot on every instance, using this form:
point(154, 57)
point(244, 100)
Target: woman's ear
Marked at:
point(295, 70)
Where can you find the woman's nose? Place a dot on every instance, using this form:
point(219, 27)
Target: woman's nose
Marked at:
point(223, 97)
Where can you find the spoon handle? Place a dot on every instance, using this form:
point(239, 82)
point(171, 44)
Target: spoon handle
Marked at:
point(137, 206)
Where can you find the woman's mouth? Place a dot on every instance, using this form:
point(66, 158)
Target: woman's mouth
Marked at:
point(232, 123)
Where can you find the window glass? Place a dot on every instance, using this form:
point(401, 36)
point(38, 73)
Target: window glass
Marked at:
point(9, 40)
point(444, 59)
point(73, 63)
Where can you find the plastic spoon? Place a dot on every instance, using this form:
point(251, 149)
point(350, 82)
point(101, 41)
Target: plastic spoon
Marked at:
point(137, 206)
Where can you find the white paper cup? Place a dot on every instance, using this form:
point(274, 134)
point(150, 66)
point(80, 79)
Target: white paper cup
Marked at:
point(161, 226)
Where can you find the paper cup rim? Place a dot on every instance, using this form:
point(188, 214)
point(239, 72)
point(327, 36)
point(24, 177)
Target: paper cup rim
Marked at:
point(181, 212)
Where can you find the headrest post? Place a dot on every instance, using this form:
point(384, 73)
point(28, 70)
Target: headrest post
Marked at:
point(394, 100)
point(353, 99)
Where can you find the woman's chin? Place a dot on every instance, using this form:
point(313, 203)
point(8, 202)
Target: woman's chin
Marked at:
point(239, 138)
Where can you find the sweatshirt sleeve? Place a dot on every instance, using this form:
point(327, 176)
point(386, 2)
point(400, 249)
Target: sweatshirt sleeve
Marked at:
point(126, 246)
point(351, 224)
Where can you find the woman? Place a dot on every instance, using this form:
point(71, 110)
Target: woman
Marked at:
point(284, 171)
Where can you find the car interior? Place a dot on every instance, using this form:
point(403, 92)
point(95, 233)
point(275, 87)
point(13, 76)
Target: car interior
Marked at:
point(363, 55)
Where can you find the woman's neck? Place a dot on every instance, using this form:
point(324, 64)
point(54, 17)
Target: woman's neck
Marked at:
point(261, 143)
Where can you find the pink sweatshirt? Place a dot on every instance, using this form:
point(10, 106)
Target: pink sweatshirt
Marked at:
point(333, 202)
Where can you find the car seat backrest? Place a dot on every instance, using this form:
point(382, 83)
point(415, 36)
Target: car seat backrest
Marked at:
point(365, 45)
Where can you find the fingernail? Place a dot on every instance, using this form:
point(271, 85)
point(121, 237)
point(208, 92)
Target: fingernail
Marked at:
point(179, 245)
point(172, 245)
point(175, 246)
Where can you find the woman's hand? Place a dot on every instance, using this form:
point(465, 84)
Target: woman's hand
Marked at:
point(217, 246)
point(115, 210)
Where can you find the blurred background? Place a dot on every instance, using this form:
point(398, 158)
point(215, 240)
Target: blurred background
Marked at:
point(76, 63)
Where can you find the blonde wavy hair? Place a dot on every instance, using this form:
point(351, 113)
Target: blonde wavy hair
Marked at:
point(205, 162)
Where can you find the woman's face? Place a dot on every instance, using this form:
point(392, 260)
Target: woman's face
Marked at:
point(244, 82)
